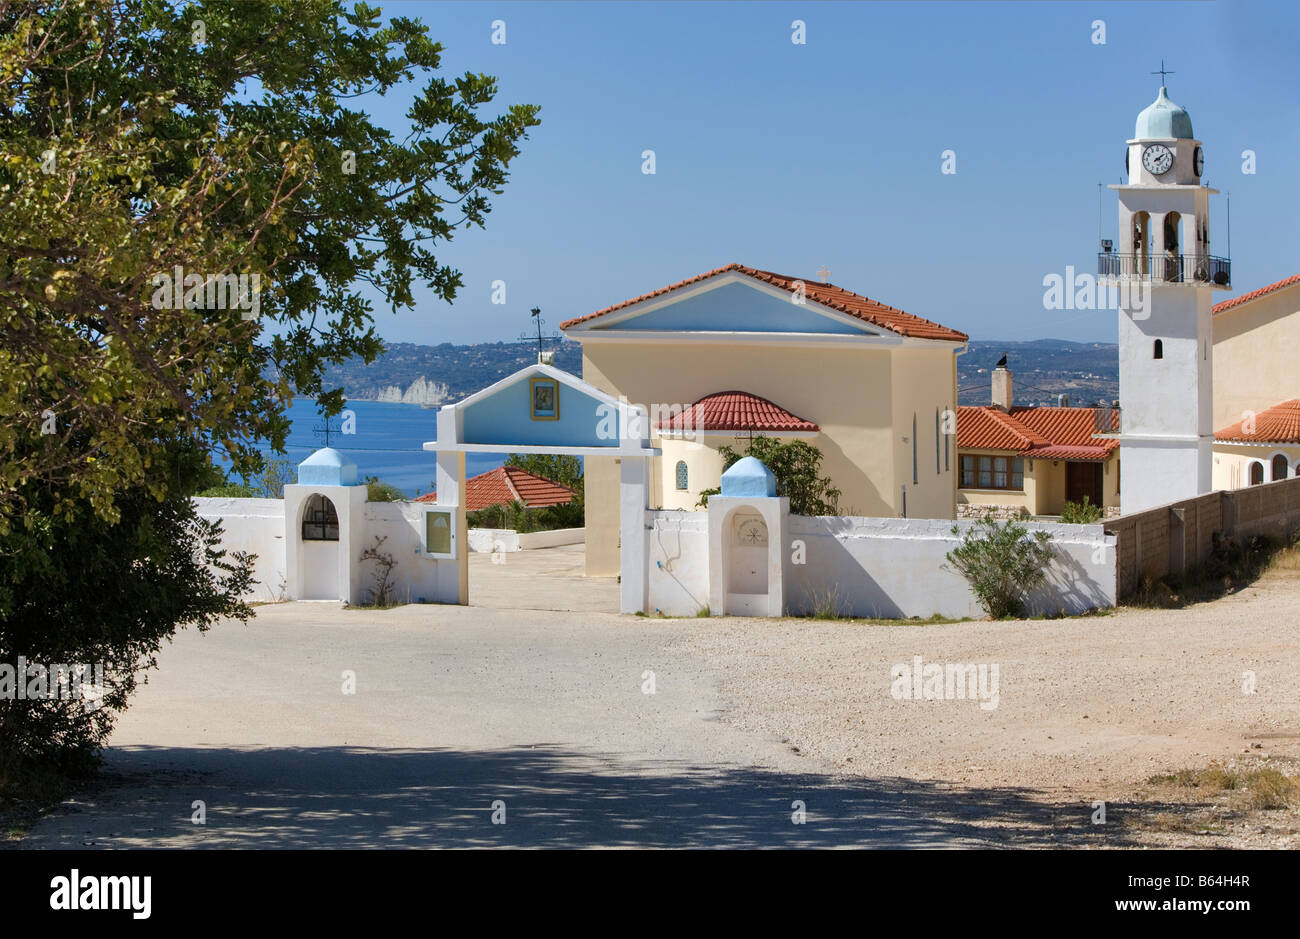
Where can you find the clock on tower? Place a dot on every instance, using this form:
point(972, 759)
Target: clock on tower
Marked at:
point(1166, 277)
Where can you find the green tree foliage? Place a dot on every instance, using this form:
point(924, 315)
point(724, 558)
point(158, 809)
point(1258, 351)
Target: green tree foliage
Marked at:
point(135, 141)
point(558, 468)
point(518, 517)
point(137, 136)
point(797, 468)
point(379, 491)
point(1002, 563)
point(82, 590)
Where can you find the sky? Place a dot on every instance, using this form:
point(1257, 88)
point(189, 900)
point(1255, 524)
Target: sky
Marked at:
point(789, 157)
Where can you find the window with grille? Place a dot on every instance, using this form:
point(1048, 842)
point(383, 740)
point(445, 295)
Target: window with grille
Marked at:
point(683, 475)
point(319, 520)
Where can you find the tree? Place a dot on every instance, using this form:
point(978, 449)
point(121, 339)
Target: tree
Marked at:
point(797, 468)
point(1002, 563)
point(139, 137)
point(557, 467)
point(379, 491)
point(133, 146)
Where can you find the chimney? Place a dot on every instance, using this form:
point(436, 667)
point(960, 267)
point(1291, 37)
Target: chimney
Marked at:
point(1062, 401)
point(1002, 388)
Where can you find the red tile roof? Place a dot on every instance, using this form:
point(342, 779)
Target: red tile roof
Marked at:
point(507, 484)
point(837, 298)
point(1048, 433)
point(1255, 294)
point(736, 410)
point(1278, 424)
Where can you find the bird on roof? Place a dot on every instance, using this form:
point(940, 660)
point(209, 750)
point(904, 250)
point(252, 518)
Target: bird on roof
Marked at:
point(1002, 362)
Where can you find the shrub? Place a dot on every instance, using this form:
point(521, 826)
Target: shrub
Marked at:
point(379, 491)
point(797, 468)
point(1081, 513)
point(1002, 563)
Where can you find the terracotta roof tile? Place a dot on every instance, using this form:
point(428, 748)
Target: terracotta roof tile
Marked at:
point(1278, 424)
point(1255, 294)
point(837, 298)
point(507, 484)
point(736, 410)
point(1049, 433)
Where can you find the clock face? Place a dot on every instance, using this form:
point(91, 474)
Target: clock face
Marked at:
point(1157, 158)
point(1198, 161)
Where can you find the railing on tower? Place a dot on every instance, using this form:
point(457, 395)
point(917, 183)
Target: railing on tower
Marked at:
point(1170, 268)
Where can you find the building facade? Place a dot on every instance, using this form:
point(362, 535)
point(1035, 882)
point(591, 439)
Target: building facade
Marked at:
point(872, 380)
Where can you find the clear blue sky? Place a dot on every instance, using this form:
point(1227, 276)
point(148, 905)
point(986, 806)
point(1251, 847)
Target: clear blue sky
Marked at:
point(788, 157)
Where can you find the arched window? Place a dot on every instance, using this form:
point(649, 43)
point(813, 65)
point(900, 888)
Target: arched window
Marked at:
point(1279, 466)
point(1158, 350)
point(319, 520)
point(683, 475)
point(1256, 472)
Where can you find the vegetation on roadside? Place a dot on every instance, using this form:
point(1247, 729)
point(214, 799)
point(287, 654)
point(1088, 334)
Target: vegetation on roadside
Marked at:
point(518, 517)
point(1002, 563)
point(1231, 566)
point(797, 468)
point(379, 491)
point(1081, 513)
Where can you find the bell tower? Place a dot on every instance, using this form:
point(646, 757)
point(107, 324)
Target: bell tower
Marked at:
point(1164, 277)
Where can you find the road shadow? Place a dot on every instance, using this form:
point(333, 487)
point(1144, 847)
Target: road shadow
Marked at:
point(354, 797)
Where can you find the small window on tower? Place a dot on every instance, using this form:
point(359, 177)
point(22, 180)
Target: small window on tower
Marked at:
point(1159, 352)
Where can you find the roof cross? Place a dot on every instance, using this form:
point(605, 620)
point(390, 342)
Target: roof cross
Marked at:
point(1163, 72)
point(824, 274)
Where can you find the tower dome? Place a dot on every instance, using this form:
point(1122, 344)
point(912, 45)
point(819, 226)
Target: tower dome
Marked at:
point(1163, 119)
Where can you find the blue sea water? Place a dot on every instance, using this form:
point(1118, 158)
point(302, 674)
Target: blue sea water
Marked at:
point(387, 443)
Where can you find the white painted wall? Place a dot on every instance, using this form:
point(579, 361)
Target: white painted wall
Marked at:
point(255, 526)
point(877, 567)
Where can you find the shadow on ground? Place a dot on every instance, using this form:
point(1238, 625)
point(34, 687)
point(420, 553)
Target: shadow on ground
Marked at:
point(344, 797)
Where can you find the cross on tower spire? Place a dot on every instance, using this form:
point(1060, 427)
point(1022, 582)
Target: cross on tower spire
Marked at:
point(1163, 72)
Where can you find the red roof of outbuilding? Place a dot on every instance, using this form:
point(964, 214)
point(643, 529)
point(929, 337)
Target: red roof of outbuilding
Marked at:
point(507, 484)
point(837, 298)
point(1278, 424)
point(1048, 433)
point(737, 410)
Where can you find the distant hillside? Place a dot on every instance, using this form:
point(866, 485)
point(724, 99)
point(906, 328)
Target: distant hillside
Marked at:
point(1042, 369)
point(441, 374)
point(417, 374)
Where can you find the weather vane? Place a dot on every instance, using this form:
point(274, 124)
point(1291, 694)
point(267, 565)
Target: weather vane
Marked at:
point(324, 429)
point(1162, 73)
point(526, 336)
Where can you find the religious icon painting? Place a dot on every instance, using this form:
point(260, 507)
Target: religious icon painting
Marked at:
point(545, 395)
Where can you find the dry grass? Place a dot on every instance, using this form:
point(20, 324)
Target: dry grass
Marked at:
point(1221, 800)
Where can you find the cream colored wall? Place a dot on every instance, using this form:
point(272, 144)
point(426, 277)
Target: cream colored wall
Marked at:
point(1231, 463)
point(703, 471)
point(924, 384)
point(1045, 486)
point(854, 394)
point(1254, 355)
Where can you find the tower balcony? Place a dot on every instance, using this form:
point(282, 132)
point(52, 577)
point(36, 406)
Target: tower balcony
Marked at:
point(1195, 270)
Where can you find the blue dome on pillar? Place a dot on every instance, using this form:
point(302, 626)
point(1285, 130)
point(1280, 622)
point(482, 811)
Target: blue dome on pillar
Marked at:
point(327, 467)
point(748, 478)
point(1164, 120)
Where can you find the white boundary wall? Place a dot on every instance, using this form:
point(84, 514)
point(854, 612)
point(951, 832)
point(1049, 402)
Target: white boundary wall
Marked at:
point(255, 526)
point(889, 568)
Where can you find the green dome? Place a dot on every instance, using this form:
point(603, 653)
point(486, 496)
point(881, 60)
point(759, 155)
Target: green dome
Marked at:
point(1163, 118)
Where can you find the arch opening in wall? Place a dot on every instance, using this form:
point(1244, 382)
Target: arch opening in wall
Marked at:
point(1172, 261)
point(1158, 349)
point(320, 520)
point(745, 562)
point(1256, 475)
point(1279, 466)
point(1141, 244)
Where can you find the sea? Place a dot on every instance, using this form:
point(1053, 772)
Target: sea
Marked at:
point(388, 442)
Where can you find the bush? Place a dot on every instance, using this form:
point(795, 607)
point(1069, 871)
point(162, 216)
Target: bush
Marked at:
point(1002, 563)
point(518, 517)
point(1081, 513)
point(797, 468)
point(378, 491)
